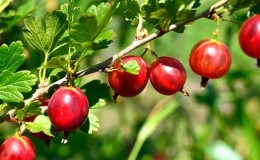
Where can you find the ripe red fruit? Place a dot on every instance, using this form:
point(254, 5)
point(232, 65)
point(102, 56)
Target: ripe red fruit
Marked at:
point(17, 148)
point(68, 108)
point(167, 75)
point(249, 37)
point(126, 84)
point(210, 59)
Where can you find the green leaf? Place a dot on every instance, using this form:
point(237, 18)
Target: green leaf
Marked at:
point(103, 40)
point(170, 11)
point(99, 11)
point(10, 18)
point(71, 11)
point(41, 123)
point(56, 62)
point(30, 110)
point(11, 57)
point(13, 84)
point(99, 104)
point(131, 67)
point(96, 91)
point(4, 4)
point(91, 124)
point(84, 30)
point(132, 10)
point(45, 36)
point(94, 125)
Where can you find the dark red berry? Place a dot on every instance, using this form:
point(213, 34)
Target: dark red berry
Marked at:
point(17, 148)
point(249, 37)
point(210, 59)
point(167, 75)
point(68, 108)
point(126, 84)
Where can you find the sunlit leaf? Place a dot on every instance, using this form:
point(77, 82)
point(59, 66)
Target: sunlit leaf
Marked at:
point(40, 123)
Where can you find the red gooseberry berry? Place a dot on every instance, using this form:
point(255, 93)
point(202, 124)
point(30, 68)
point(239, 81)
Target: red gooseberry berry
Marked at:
point(127, 84)
point(68, 108)
point(210, 59)
point(167, 75)
point(249, 37)
point(17, 148)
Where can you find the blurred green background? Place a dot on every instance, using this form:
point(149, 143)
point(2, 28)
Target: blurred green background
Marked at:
point(221, 122)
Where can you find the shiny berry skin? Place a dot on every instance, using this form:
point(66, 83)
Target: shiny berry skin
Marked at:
point(17, 148)
point(68, 108)
point(126, 84)
point(210, 59)
point(249, 37)
point(167, 75)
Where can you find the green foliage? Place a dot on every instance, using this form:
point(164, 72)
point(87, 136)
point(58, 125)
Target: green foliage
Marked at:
point(131, 67)
point(13, 84)
point(56, 62)
point(10, 18)
point(41, 123)
point(96, 92)
point(30, 110)
point(87, 31)
point(255, 9)
point(91, 125)
point(44, 37)
point(162, 13)
point(209, 124)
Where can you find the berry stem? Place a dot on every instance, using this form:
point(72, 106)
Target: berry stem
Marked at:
point(204, 82)
point(65, 138)
point(258, 63)
point(115, 97)
point(216, 32)
point(184, 92)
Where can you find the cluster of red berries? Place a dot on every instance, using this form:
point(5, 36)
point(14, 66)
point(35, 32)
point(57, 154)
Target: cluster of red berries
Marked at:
point(209, 58)
point(68, 107)
point(167, 75)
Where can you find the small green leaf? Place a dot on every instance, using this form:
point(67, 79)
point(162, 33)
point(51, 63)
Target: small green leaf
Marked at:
point(45, 36)
point(99, 11)
point(84, 30)
point(132, 10)
point(12, 84)
point(131, 67)
point(103, 40)
point(99, 104)
point(11, 57)
point(94, 125)
point(91, 124)
point(95, 91)
point(56, 62)
point(41, 123)
point(30, 110)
